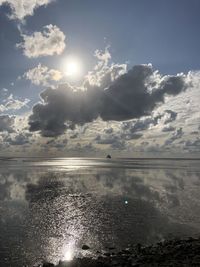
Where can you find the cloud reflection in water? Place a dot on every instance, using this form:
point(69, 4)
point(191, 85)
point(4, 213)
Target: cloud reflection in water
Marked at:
point(50, 214)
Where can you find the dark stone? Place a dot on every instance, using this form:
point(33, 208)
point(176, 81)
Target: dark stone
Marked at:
point(85, 247)
point(46, 264)
point(107, 254)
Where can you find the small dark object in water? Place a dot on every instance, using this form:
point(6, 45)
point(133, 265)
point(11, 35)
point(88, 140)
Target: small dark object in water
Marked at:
point(48, 264)
point(108, 156)
point(85, 247)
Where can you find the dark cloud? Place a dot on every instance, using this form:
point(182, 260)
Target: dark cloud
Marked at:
point(54, 143)
point(168, 129)
point(129, 96)
point(64, 105)
point(108, 131)
point(132, 136)
point(19, 139)
point(74, 136)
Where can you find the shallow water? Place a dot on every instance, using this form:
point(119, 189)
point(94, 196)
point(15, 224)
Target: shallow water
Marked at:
point(50, 207)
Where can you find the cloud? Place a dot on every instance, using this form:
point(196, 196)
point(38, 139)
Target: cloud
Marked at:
point(127, 97)
point(167, 116)
point(7, 123)
point(61, 105)
point(132, 129)
point(11, 103)
point(3, 92)
point(177, 134)
point(42, 75)
point(139, 125)
point(192, 145)
point(104, 73)
point(15, 104)
point(145, 123)
point(19, 139)
point(103, 56)
point(131, 136)
point(49, 42)
point(22, 8)
point(168, 129)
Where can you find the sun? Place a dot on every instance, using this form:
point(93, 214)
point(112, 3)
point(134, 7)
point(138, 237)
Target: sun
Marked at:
point(73, 68)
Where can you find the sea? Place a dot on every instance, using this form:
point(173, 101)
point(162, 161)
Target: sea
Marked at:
point(51, 207)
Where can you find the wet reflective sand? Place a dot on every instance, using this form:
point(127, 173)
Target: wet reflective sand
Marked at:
point(49, 208)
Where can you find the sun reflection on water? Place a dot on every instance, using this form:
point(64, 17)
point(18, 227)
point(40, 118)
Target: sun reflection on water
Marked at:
point(69, 251)
point(68, 163)
point(68, 255)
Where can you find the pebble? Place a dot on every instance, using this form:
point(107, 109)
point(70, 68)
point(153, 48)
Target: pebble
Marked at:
point(85, 247)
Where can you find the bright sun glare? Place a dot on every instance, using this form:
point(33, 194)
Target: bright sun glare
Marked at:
point(68, 256)
point(68, 251)
point(73, 67)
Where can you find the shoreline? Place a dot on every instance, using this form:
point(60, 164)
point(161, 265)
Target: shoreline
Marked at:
point(173, 253)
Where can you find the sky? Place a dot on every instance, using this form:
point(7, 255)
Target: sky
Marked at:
point(88, 78)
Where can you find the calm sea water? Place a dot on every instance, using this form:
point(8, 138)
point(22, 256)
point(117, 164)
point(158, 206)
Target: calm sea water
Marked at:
point(49, 208)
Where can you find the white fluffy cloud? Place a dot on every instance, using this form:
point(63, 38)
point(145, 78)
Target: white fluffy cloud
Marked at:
point(15, 104)
point(22, 8)
point(7, 123)
point(42, 75)
point(12, 103)
point(104, 73)
point(49, 42)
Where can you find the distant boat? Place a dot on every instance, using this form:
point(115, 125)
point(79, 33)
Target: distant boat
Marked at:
point(108, 156)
